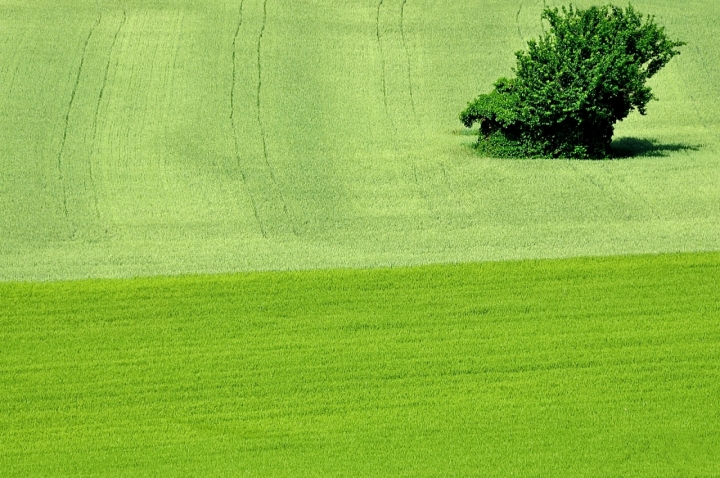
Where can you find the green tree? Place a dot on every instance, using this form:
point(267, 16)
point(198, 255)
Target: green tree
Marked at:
point(586, 72)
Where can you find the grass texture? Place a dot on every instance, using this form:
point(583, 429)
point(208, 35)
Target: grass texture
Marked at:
point(575, 367)
point(174, 137)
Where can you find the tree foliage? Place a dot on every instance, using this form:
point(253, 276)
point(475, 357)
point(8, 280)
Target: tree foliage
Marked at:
point(587, 72)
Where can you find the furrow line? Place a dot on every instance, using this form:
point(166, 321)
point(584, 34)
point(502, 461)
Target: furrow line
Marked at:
point(382, 64)
point(263, 232)
point(234, 75)
point(517, 22)
point(97, 107)
point(61, 176)
point(260, 123)
point(407, 56)
point(259, 89)
point(107, 71)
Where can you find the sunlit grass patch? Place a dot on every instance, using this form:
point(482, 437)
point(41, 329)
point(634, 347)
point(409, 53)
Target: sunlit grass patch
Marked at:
point(579, 367)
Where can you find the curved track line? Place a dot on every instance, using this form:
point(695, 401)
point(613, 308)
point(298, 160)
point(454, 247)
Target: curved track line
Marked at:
point(234, 72)
point(259, 89)
point(234, 69)
point(260, 122)
point(382, 65)
point(97, 108)
point(263, 232)
point(517, 22)
point(407, 56)
point(107, 70)
point(67, 119)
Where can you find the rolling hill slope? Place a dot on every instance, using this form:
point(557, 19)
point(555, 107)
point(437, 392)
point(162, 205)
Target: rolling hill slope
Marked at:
point(143, 138)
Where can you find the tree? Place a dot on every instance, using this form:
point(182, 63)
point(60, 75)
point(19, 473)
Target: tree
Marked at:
point(583, 75)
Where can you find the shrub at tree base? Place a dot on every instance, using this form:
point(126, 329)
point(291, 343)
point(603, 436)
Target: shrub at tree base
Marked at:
point(587, 72)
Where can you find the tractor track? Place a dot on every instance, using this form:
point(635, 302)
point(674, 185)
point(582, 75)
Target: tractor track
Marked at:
point(407, 57)
point(234, 72)
point(61, 176)
point(259, 91)
point(383, 68)
point(97, 109)
point(261, 125)
point(107, 71)
point(236, 137)
point(517, 22)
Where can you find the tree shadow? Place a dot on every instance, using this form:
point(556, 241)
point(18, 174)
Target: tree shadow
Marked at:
point(465, 132)
point(628, 147)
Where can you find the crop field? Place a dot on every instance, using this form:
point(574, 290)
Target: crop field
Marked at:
point(166, 137)
point(252, 238)
point(571, 367)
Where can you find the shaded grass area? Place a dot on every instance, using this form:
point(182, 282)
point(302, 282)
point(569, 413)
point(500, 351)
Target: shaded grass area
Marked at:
point(621, 148)
point(628, 147)
point(582, 367)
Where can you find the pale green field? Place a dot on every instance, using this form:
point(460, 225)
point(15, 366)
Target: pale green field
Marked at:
point(143, 138)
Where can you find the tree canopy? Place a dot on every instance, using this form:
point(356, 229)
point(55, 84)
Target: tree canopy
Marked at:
point(584, 74)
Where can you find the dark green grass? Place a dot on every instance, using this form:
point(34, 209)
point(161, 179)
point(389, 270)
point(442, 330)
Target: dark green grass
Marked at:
point(582, 367)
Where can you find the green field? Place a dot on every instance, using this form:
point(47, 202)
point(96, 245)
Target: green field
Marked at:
point(579, 367)
point(158, 137)
point(251, 238)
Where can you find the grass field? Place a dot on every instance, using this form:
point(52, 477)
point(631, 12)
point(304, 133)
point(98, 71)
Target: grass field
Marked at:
point(158, 137)
point(208, 214)
point(579, 367)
